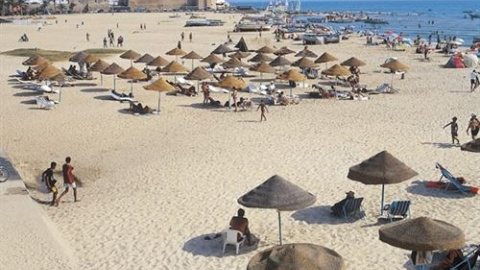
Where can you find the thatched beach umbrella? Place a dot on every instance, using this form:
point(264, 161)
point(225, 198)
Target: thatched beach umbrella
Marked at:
point(239, 55)
point(78, 57)
point(296, 257)
point(242, 45)
point(337, 70)
point(212, 59)
point(304, 62)
point(49, 72)
point(99, 66)
point(381, 169)
point(230, 82)
point(283, 51)
point(130, 55)
point(353, 62)
point(234, 63)
point(160, 86)
point(146, 58)
point(175, 68)
point(306, 53)
point(113, 69)
point(277, 193)
point(325, 58)
point(260, 57)
point(34, 60)
point(265, 49)
point(133, 74)
point(158, 62)
point(422, 234)
point(280, 61)
point(60, 78)
point(395, 66)
point(263, 68)
point(176, 51)
point(90, 59)
point(193, 56)
point(41, 66)
point(471, 146)
point(198, 74)
point(293, 75)
point(222, 49)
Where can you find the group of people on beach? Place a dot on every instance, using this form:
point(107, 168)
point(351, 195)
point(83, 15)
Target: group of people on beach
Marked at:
point(111, 39)
point(68, 181)
point(473, 128)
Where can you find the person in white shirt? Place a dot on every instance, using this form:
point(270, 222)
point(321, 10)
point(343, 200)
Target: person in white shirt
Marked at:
point(473, 81)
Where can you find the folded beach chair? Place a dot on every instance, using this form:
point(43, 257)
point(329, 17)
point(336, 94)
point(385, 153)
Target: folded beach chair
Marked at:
point(119, 97)
point(353, 207)
point(44, 103)
point(384, 88)
point(398, 209)
point(453, 182)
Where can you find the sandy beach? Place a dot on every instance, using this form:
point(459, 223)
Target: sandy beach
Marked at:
point(154, 186)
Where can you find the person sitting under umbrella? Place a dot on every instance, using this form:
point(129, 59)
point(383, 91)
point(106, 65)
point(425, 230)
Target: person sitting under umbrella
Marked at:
point(240, 223)
point(338, 207)
point(453, 258)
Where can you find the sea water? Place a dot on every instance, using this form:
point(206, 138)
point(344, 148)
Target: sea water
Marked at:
point(411, 17)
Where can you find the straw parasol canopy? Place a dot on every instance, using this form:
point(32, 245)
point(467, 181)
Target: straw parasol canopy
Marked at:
point(230, 82)
point(160, 86)
point(90, 59)
point(130, 55)
point(280, 194)
point(234, 63)
point(132, 73)
point(34, 60)
point(260, 57)
point(280, 61)
point(283, 51)
point(41, 66)
point(146, 58)
point(265, 49)
point(212, 59)
point(381, 169)
point(336, 70)
point(49, 72)
point(112, 69)
point(158, 62)
point(192, 55)
point(353, 62)
point(99, 66)
point(176, 51)
point(325, 58)
point(306, 53)
point(221, 49)
point(297, 256)
point(293, 75)
point(263, 68)
point(395, 65)
point(174, 67)
point(422, 234)
point(78, 57)
point(198, 74)
point(304, 62)
point(471, 146)
point(242, 45)
point(240, 55)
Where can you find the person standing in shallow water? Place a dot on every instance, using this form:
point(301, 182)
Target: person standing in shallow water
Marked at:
point(454, 130)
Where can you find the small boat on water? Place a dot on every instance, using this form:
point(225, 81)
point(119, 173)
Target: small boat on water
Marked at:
point(375, 21)
point(474, 15)
point(203, 22)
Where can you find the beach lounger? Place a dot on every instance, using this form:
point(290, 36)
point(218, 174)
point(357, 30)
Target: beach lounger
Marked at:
point(44, 103)
point(181, 80)
point(353, 207)
point(468, 262)
point(398, 209)
point(121, 97)
point(214, 89)
point(231, 238)
point(453, 182)
point(39, 88)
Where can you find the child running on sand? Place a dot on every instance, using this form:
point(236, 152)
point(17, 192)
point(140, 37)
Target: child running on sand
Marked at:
point(454, 130)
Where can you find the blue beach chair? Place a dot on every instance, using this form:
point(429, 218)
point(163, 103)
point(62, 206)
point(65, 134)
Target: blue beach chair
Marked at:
point(398, 209)
point(353, 207)
point(452, 180)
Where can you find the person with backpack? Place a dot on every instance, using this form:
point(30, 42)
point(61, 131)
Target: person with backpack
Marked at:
point(47, 177)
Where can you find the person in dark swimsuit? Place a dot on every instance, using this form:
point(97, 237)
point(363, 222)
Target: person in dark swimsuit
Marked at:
point(473, 126)
point(454, 130)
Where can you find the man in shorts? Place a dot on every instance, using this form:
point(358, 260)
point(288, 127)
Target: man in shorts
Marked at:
point(68, 180)
point(473, 81)
point(47, 177)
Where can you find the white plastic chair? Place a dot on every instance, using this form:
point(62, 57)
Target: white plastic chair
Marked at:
point(231, 238)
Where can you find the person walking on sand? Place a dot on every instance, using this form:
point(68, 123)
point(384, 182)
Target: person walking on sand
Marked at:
point(473, 80)
point(454, 130)
point(182, 35)
point(190, 36)
point(88, 37)
point(105, 45)
point(68, 180)
point(263, 108)
point(47, 177)
point(473, 126)
point(235, 96)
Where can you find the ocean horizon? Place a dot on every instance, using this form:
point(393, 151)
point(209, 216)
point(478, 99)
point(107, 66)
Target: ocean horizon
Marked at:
point(408, 16)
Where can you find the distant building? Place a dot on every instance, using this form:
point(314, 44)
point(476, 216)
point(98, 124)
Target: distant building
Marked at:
point(158, 5)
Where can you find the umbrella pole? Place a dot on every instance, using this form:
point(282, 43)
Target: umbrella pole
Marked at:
point(60, 94)
point(261, 78)
point(114, 83)
point(391, 85)
point(158, 108)
point(279, 226)
point(101, 79)
point(192, 64)
point(131, 87)
point(383, 192)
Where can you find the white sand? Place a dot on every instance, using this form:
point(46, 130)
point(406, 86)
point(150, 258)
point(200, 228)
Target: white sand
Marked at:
point(155, 185)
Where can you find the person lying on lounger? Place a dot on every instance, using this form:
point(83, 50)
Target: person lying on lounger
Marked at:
point(138, 108)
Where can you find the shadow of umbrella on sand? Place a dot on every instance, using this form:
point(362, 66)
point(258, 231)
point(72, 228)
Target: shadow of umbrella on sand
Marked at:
point(277, 193)
point(471, 146)
point(297, 257)
point(381, 169)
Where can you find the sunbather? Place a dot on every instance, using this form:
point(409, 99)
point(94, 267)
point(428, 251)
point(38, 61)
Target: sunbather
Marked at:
point(240, 223)
point(453, 257)
point(138, 108)
point(338, 207)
